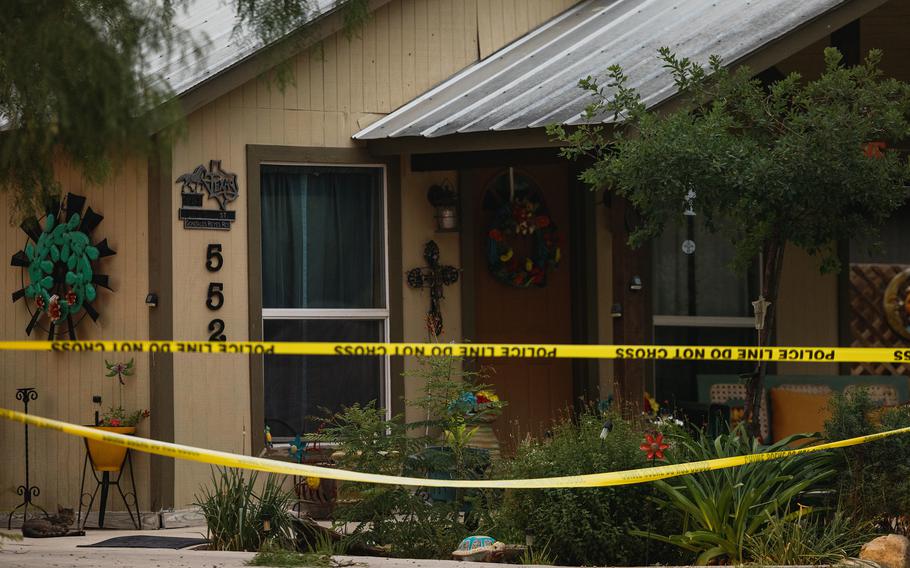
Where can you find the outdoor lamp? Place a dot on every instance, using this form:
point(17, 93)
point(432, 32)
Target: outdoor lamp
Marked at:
point(445, 199)
point(529, 537)
point(635, 283)
point(616, 310)
point(152, 300)
point(266, 521)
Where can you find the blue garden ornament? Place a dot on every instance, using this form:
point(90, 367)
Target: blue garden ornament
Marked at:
point(464, 404)
point(296, 449)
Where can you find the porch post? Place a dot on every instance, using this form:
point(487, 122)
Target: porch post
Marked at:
point(634, 326)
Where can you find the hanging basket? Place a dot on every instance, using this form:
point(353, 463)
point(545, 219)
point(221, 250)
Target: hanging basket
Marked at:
point(108, 457)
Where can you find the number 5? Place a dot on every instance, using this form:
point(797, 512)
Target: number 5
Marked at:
point(213, 258)
point(215, 289)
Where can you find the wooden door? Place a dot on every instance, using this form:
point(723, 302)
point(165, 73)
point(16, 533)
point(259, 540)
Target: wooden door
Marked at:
point(537, 390)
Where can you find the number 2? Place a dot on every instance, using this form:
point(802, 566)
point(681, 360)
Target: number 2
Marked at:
point(216, 326)
point(213, 258)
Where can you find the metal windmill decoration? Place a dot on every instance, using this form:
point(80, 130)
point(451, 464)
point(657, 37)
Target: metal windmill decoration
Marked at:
point(59, 267)
point(435, 277)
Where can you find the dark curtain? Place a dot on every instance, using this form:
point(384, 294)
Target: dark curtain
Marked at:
point(300, 389)
point(321, 237)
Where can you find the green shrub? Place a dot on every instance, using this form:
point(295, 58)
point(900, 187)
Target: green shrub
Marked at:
point(404, 520)
point(874, 481)
point(401, 519)
point(722, 508)
point(807, 540)
point(234, 510)
point(582, 526)
point(319, 554)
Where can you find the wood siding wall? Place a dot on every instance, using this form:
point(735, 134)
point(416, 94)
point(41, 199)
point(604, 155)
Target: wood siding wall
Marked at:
point(67, 382)
point(340, 86)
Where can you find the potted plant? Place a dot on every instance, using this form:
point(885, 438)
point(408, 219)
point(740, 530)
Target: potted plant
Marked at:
point(109, 457)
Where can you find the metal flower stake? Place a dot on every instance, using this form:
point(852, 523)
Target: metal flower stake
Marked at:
point(654, 447)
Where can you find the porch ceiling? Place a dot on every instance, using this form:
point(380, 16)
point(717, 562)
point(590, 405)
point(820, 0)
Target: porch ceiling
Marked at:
point(533, 81)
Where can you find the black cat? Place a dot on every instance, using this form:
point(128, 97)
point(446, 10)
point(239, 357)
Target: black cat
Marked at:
point(51, 525)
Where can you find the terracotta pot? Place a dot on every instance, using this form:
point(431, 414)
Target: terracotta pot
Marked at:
point(108, 457)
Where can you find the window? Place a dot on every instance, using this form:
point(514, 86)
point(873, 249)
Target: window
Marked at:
point(323, 279)
point(699, 300)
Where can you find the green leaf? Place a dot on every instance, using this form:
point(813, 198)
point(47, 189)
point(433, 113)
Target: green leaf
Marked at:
point(90, 293)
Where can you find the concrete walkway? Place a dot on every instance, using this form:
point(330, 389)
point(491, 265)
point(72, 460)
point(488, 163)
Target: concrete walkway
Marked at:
point(64, 552)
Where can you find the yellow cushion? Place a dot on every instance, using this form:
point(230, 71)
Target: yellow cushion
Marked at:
point(794, 412)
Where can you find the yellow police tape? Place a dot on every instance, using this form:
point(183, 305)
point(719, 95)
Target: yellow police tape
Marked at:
point(647, 352)
point(629, 477)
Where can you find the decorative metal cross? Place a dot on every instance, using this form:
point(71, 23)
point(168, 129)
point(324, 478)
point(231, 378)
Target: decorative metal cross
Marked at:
point(433, 276)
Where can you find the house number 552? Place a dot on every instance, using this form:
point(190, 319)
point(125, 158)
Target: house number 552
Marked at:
point(214, 299)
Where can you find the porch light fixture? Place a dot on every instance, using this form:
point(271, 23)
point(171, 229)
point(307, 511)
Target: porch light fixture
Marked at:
point(266, 519)
point(635, 284)
point(616, 310)
point(152, 300)
point(444, 198)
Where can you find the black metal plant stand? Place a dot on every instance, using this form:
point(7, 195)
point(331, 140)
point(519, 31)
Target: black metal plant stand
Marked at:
point(104, 483)
point(27, 491)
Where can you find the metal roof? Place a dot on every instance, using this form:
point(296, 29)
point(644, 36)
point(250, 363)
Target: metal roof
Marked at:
point(533, 81)
point(213, 26)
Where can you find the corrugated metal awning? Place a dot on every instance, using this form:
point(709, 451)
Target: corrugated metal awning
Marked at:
point(533, 81)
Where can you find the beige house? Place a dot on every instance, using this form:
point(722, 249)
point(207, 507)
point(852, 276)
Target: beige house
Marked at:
point(329, 211)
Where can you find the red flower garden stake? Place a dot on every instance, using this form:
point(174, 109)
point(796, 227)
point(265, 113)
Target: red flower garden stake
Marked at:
point(654, 447)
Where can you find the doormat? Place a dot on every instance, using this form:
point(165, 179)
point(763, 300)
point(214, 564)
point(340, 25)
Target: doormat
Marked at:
point(146, 541)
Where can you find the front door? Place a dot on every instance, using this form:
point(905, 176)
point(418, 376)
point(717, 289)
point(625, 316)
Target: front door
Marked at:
point(537, 390)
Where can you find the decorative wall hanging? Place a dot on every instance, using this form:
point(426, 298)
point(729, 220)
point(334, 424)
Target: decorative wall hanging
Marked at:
point(219, 185)
point(896, 303)
point(59, 268)
point(519, 212)
point(878, 313)
point(435, 277)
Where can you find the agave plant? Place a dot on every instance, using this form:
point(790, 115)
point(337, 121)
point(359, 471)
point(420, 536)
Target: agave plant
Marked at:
point(722, 509)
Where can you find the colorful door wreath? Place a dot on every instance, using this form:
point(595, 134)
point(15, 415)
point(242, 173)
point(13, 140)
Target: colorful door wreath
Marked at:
point(519, 212)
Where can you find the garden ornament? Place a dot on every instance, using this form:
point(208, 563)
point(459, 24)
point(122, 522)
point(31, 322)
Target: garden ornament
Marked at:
point(478, 549)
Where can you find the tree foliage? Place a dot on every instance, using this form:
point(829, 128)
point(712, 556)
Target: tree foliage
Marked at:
point(770, 165)
point(784, 164)
point(75, 81)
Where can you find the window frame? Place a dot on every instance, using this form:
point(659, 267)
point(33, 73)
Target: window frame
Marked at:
point(372, 314)
point(662, 320)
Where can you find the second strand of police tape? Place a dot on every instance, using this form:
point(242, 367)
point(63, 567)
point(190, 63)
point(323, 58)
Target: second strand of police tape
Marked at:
point(628, 477)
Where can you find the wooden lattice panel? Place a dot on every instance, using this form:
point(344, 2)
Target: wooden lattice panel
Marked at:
point(868, 325)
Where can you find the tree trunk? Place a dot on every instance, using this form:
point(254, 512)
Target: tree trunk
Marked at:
point(771, 273)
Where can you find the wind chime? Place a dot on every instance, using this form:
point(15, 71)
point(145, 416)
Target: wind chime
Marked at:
point(688, 245)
